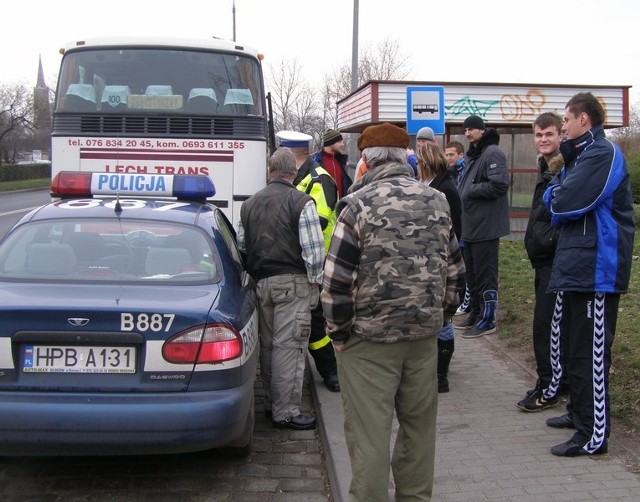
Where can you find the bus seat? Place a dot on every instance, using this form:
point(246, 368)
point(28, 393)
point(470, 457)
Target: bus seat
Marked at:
point(80, 98)
point(159, 90)
point(50, 259)
point(115, 97)
point(202, 100)
point(169, 261)
point(238, 102)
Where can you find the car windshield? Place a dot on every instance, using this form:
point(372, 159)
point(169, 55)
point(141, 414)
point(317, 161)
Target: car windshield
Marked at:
point(90, 250)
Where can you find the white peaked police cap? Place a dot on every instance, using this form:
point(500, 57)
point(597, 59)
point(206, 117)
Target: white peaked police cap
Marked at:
point(293, 139)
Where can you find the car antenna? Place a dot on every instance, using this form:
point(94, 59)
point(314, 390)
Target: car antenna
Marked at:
point(118, 208)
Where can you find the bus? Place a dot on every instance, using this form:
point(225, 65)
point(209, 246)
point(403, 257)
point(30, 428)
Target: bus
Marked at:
point(164, 106)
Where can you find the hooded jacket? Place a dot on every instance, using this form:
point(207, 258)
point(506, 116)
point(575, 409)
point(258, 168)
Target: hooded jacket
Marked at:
point(483, 189)
point(541, 238)
point(590, 201)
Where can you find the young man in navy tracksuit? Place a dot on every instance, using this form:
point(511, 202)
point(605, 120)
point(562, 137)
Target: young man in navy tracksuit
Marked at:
point(590, 201)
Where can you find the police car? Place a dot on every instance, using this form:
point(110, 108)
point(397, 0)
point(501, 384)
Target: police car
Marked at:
point(128, 323)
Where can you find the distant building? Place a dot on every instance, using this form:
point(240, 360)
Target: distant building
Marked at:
point(42, 114)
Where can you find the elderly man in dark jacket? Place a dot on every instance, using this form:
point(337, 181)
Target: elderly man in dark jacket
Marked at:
point(483, 189)
point(590, 201)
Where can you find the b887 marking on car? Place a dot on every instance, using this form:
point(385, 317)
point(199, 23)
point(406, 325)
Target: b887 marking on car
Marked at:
point(146, 322)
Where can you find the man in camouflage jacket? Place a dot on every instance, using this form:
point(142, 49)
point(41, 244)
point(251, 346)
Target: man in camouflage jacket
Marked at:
point(393, 275)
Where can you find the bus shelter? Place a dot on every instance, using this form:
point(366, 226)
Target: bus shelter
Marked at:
point(509, 108)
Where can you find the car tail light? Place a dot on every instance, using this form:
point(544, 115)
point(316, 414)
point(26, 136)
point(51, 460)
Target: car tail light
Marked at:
point(210, 343)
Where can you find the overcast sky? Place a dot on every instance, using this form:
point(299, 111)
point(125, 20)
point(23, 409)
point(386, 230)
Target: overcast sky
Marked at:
point(581, 42)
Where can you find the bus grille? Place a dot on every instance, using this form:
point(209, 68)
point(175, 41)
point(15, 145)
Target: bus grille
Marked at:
point(159, 126)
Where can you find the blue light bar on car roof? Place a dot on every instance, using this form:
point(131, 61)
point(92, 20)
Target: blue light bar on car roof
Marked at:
point(84, 184)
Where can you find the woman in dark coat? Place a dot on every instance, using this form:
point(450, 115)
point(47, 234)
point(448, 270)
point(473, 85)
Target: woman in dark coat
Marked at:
point(433, 170)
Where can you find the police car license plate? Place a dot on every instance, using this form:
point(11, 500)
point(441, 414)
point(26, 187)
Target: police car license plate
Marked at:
point(80, 359)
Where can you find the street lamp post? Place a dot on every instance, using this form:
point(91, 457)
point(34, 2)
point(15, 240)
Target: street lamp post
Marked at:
point(233, 10)
point(353, 153)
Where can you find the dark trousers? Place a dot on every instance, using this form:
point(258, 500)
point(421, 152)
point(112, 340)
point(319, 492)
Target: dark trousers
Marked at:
point(481, 262)
point(542, 339)
point(590, 322)
point(320, 346)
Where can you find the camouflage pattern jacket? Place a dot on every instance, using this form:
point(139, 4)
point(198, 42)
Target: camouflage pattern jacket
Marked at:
point(394, 271)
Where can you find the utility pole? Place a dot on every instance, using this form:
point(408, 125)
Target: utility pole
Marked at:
point(354, 48)
point(233, 10)
point(353, 151)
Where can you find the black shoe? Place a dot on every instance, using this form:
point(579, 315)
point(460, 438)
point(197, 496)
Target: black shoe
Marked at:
point(331, 382)
point(443, 384)
point(299, 423)
point(562, 422)
point(572, 449)
point(537, 402)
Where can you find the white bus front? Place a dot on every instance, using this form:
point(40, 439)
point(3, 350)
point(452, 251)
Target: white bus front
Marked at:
point(164, 106)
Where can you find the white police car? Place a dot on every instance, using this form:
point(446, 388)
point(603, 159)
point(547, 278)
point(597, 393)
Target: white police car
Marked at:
point(127, 323)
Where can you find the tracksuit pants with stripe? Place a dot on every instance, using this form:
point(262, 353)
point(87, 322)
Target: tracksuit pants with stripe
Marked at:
point(589, 321)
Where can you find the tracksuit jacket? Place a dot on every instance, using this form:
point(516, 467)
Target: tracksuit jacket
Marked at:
point(593, 208)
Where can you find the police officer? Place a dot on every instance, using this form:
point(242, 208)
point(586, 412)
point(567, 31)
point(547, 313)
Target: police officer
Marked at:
point(316, 182)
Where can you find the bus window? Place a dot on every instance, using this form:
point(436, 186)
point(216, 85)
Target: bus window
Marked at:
point(162, 79)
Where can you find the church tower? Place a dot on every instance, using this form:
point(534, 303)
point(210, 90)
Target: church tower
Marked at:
point(42, 112)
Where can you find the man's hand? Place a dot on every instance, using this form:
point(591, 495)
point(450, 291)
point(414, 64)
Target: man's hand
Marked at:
point(338, 347)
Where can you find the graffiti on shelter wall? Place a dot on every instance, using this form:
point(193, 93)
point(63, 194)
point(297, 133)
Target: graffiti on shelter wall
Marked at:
point(513, 107)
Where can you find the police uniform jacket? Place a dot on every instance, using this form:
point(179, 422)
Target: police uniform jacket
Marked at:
point(316, 182)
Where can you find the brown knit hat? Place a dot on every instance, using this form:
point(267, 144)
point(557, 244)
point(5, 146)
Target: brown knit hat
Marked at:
point(383, 135)
point(330, 137)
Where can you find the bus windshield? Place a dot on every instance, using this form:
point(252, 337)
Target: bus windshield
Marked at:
point(148, 80)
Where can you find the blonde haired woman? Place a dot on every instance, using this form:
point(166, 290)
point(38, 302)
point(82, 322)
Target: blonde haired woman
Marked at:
point(433, 170)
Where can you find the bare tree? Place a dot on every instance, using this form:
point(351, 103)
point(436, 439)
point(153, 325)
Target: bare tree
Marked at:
point(299, 106)
point(628, 138)
point(383, 61)
point(16, 119)
point(289, 93)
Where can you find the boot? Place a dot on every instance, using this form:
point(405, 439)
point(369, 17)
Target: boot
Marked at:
point(445, 351)
point(487, 324)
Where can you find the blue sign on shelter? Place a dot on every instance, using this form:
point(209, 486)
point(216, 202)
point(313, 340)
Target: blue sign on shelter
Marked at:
point(425, 107)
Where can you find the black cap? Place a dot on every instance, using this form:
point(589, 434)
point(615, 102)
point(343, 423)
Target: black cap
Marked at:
point(473, 122)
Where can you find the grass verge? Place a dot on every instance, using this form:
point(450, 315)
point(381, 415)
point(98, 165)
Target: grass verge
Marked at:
point(515, 317)
point(8, 186)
